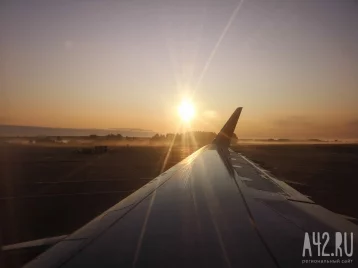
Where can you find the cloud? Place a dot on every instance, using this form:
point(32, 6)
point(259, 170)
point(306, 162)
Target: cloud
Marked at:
point(312, 127)
point(68, 44)
point(353, 123)
point(5, 119)
point(295, 121)
point(299, 126)
point(210, 114)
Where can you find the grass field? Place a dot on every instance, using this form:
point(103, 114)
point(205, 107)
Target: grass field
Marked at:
point(52, 190)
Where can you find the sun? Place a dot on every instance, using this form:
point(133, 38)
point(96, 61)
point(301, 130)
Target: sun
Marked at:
point(186, 111)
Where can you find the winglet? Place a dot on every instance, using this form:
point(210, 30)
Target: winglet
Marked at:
point(223, 139)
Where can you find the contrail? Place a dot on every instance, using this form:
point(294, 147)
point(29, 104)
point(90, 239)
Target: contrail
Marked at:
point(232, 17)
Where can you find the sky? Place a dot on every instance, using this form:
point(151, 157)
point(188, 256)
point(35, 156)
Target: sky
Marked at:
point(292, 65)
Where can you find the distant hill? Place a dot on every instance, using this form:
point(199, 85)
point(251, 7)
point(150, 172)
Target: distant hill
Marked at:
point(29, 131)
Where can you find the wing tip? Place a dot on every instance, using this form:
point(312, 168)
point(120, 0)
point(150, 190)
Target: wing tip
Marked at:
point(223, 139)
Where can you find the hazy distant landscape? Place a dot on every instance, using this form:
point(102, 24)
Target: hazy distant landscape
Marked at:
point(122, 136)
point(48, 190)
point(31, 131)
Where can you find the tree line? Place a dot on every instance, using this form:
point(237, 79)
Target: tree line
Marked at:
point(187, 138)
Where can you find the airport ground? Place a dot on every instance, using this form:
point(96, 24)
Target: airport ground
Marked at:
point(53, 190)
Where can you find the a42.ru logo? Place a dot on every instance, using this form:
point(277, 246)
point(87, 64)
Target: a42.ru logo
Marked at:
point(342, 244)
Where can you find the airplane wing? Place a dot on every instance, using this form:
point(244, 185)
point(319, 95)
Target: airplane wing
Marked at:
point(215, 208)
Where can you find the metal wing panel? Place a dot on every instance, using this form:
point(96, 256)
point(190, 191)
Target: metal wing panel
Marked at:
point(283, 215)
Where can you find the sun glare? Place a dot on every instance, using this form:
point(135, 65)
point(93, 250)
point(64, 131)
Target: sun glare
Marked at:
point(186, 111)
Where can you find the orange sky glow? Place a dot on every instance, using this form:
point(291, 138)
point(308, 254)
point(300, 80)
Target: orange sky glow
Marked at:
point(292, 65)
